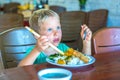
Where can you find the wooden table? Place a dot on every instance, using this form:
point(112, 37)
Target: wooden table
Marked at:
point(106, 67)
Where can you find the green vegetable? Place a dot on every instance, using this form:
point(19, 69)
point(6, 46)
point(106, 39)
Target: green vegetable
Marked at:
point(53, 56)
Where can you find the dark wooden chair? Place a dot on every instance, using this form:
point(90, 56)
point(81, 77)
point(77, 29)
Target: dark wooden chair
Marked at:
point(14, 44)
point(10, 20)
point(97, 19)
point(106, 40)
point(57, 9)
point(11, 7)
point(71, 25)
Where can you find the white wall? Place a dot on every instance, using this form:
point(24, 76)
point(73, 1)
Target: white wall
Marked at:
point(7, 1)
point(71, 5)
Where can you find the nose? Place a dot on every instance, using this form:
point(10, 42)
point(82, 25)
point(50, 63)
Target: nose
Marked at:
point(55, 32)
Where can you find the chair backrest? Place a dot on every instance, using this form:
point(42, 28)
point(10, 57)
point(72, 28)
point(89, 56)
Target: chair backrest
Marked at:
point(11, 7)
point(71, 25)
point(97, 19)
point(1, 62)
point(106, 40)
point(57, 9)
point(10, 20)
point(14, 43)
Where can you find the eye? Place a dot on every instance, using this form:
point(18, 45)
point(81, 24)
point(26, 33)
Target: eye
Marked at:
point(49, 30)
point(58, 27)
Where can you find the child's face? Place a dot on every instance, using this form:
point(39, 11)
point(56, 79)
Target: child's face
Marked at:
point(52, 29)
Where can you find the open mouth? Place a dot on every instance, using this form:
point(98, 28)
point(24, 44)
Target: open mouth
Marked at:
point(56, 40)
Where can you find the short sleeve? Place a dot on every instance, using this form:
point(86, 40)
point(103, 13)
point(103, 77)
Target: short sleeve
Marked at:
point(63, 47)
point(40, 59)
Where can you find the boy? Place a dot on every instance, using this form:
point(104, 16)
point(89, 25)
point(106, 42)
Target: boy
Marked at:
point(47, 24)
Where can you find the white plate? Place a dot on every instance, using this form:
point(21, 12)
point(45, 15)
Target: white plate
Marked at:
point(91, 61)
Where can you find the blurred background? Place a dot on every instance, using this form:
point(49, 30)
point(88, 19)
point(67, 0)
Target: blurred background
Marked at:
point(74, 5)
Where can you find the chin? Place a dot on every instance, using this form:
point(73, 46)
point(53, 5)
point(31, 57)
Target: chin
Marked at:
point(56, 44)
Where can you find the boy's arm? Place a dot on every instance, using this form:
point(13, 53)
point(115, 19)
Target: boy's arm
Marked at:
point(86, 47)
point(30, 58)
point(86, 35)
point(41, 45)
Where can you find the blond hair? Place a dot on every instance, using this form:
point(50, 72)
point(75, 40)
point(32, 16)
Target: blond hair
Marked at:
point(39, 16)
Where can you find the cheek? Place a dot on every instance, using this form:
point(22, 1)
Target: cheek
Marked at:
point(60, 34)
point(50, 37)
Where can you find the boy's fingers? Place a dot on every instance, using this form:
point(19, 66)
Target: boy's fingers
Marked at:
point(83, 28)
point(36, 37)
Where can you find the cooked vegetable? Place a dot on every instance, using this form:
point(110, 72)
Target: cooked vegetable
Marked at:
point(61, 61)
point(53, 56)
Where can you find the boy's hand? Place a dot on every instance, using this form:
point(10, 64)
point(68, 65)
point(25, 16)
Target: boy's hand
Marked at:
point(42, 43)
point(86, 39)
point(86, 33)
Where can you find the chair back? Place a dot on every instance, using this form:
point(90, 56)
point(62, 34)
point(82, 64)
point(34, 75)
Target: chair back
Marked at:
point(71, 25)
point(57, 9)
point(14, 44)
point(106, 40)
point(97, 19)
point(10, 20)
point(11, 7)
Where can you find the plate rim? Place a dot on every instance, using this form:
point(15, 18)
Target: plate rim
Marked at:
point(72, 66)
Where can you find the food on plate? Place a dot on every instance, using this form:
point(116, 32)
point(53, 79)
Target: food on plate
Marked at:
point(61, 61)
point(78, 54)
point(70, 57)
point(81, 56)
